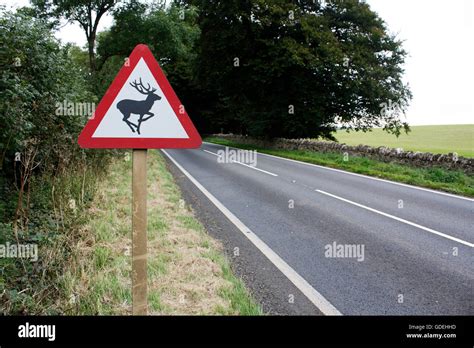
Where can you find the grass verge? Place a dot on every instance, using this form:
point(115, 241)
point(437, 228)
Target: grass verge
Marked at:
point(51, 222)
point(187, 271)
point(452, 181)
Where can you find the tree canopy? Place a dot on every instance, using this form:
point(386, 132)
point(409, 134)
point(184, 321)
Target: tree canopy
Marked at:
point(276, 68)
point(87, 13)
point(171, 33)
point(297, 69)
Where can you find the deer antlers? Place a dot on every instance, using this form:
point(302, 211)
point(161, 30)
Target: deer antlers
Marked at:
point(140, 88)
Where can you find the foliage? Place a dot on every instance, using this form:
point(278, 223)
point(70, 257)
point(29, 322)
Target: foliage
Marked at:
point(55, 226)
point(42, 168)
point(170, 33)
point(295, 69)
point(36, 75)
point(87, 13)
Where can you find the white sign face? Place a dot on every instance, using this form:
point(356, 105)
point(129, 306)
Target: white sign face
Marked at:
point(140, 110)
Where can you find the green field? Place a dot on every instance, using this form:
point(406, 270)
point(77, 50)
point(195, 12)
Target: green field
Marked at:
point(435, 139)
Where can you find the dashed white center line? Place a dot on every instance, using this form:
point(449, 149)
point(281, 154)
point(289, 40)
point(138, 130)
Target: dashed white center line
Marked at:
point(260, 170)
point(212, 153)
point(244, 164)
point(356, 174)
point(447, 236)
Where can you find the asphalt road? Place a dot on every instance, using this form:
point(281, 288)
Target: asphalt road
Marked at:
point(402, 250)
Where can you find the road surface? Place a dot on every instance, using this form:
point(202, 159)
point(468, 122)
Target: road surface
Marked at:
point(353, 245)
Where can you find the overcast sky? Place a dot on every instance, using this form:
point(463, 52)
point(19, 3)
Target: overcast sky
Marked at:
point(439, 38)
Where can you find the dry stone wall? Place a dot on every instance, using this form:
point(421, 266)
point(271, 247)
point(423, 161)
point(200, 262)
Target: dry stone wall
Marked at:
point(386, 154)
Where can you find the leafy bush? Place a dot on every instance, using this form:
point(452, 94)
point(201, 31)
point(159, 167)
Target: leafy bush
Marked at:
point(46, 180)
point(37, 73)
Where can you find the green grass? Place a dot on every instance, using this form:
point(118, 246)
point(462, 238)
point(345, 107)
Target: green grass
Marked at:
point(241, 302)
point(237, 294)
point(44, 287)
point(435, 178)
point(173, 234)
point(434, 139)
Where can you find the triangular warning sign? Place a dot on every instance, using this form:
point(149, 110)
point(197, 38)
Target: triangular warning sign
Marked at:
point(140, 110)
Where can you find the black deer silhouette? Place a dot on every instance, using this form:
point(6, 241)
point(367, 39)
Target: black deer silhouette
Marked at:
point(138, 107)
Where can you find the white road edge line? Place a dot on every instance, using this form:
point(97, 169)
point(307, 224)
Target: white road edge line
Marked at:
point(314, 296)
point(261, 170)
point(359, 175)
point(399, 219)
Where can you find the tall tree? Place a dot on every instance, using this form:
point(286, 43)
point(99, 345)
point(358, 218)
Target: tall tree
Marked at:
point(286, 68)
point(170, 33)
point(87, 13)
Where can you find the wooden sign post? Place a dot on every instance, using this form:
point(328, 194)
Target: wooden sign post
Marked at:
point(126, 119)
point(139, 233)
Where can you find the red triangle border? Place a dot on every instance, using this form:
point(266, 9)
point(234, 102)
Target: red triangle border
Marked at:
point(87, 141)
